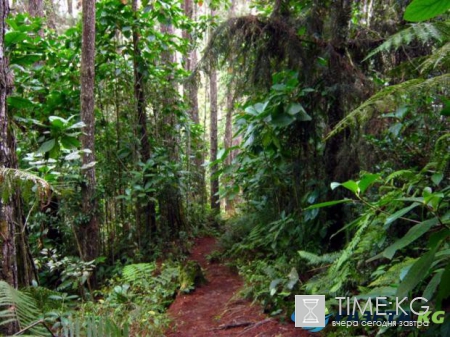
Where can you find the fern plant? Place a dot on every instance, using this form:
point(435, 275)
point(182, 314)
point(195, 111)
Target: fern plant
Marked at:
point(19, 309)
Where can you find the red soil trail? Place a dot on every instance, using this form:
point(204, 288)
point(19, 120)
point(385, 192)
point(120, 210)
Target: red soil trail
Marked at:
point(215, 309)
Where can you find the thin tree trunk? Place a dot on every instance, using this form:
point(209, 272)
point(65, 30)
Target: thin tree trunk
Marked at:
point(70, 7)
point(195, 146)
point(148, 208)
point(229, 120)
point(214, 198)
point(89, 230)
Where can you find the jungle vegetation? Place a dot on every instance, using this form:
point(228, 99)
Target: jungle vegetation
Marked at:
point(310, 136)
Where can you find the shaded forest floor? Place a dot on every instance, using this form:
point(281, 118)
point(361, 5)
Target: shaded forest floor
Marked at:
point(215, 309)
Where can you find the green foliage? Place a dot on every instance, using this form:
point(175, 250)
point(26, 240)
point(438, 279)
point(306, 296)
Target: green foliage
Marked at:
point(13, 179)
point(19, 308)
point(191, 276)
point(399, 205)
point(420, 10)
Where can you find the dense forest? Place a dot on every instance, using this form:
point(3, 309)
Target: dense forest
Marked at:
point(306, 142)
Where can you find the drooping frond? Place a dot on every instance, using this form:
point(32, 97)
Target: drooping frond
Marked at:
point(388, 99)
point(422, 32)
point(12, 179)
point(20, 308)
point(314, 259)
point(439, 59)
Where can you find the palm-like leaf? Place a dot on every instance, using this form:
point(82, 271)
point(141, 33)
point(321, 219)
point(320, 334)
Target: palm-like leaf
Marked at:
point(18, 307)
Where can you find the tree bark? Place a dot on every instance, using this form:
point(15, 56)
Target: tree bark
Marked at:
point(148, 208)
point(70, 7)
point(214, 198)
point(89, 229)
point(36, 8)
point(170, 202)
point(195, 146)
point(228, 140)
point(7, 208)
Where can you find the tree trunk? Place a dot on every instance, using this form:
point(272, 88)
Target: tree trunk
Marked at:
point(17, 263)
point(170, 202)
point(9, 207)
point(214, 198)
point(195, 146)
point(148, 208)
point(70, 7)
point(228, 140)
point(89, 230)
point(36, 8)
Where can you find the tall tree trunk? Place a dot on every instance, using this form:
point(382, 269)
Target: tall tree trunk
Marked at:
point(147, 210)
point(36, 8)
point(70, 7)
point(170, 201)
point(214, 198)
point(89, 230)
point(195, 146)
point(228, 139)
point(17, 264)
point(8, 208)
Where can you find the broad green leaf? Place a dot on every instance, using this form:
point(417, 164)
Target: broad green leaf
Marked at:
point(273, 286)
point(77, 125)
point(293, 279)
point(295, 108)
point(444, 286)
point(282, 120)
point(19, 102)
point(420, 10)
point(351, 185)
point(437, 178)
point(260, 107)
point(328, 204)
point(47, 146)
point(413, 234)
point(251, 110)
point(14, 37)
point(446, 109)
point(279, 87)
point(26, 60)
point(366, 181)
point(303, 116)
point(432, 285)
point(417, 273)
point(70, 142)
point(221, 154)
point(73, 156)
point(400, 213)
point(88, 165)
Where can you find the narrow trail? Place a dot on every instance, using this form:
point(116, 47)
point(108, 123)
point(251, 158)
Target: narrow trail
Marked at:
point(215, 309)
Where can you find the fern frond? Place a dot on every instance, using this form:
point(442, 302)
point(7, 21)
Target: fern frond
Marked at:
point(314, 259)
point(12, 179)
point(401, 173)
point(392, 276)
point(138, 271)
point(423, 32)
point(18, 307)
point(440, 57)
point(388, 99)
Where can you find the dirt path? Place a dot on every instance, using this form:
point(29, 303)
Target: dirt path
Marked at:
point(215, 308)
